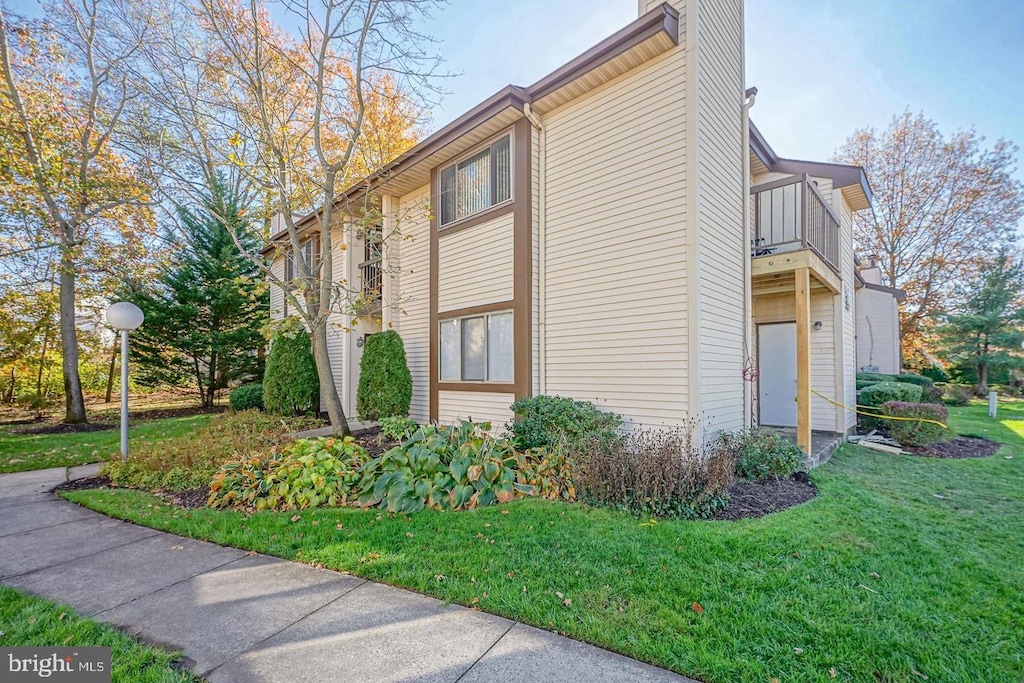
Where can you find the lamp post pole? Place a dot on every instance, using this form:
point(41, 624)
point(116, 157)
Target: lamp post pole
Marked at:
point(124, 316)
point(124, 395)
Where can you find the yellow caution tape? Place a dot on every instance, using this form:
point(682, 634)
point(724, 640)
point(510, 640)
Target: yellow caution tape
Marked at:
point(880, 415)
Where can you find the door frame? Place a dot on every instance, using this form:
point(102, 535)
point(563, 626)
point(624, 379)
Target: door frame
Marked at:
point(758, 326)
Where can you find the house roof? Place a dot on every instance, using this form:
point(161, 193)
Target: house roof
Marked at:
point(650, 35)
point(900, 295)
point(852, 180)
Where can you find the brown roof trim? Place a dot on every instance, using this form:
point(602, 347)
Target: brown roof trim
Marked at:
point(900, 295)
point(842, 175)
point(664, 17)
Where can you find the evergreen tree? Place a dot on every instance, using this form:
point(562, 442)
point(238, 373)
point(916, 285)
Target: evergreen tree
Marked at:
point(986, 331)
point(205, 313)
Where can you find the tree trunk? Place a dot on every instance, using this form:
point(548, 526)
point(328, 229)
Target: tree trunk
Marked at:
point(982, 379)
point(74, 402)
point(211, 382)
point(9, 398)
point(328, 387)
point(110, 373)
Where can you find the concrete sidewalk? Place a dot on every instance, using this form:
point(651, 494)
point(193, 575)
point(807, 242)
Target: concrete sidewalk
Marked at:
point(241, 616)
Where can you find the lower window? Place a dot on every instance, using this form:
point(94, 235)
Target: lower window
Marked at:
point(477, 348)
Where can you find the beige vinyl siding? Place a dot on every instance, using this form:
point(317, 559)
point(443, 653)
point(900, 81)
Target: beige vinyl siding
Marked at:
point(276, 294)
point(412, 321)
point(616, 245)
point(480, 406)
point(877, 331)
point(846, 307)
point(475, 265)
point(723, 244)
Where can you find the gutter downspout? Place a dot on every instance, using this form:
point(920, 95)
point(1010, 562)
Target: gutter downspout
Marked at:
point(748, 305)
point(542, 355)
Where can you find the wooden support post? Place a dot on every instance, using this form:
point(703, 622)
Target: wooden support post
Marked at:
point(803, 359)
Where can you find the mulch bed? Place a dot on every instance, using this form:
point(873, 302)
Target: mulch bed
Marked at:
point(373, 442)
point(84, 483)
point(753, 499)
point(152, 414)
point(62, 428)
point(960, 447)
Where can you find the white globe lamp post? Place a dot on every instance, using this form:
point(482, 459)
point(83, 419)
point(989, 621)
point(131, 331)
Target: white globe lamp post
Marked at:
point(124, 316)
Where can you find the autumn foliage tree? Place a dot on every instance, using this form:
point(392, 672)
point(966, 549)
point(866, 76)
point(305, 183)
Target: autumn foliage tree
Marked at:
point(295, 117)
point(942, 206)
point(64, 186)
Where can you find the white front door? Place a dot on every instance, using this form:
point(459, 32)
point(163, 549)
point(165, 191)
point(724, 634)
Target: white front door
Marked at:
point(776, 362)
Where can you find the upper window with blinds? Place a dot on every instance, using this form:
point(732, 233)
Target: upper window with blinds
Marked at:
point(477, 182)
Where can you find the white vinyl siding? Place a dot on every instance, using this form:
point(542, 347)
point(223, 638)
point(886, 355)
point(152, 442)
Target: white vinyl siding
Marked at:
point(847, 339)
point(616, 245)
point(412, 319)
point(475, 266)
point(276, 293)
point(478, 406)
point(877, 331)
point(720, 187)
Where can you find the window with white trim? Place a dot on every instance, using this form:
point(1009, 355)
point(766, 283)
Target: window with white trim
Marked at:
point(310, 249)
point(477, 348)
point(477, 182)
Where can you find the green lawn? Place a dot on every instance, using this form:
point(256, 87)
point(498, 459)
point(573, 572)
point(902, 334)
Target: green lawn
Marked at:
point(19, 452)
point(903, 569)
point(30, 621)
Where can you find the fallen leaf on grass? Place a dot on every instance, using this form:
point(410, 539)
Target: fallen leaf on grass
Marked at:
point(567, 602)
point(650, 522)
point(798, 650)
point(62, 615)
point(696, 607)
point(920, 675)
point(408, 534)
point(504, 512)
point(832, 672)
point(559, 595)
point(875, 575)
point(296, 518)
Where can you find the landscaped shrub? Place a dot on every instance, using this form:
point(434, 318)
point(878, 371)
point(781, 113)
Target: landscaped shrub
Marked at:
point(306, 473)
point(290, 382)
point(874, 377)
point(397, 428)
point(930, 393)
point(547, 473)
point(957, 394)
point(864, 384)
point(913, 432)
point(936, 374)
point(191, 460)
point(762, 453)
point(548, 421)
point(872, 398)
point(448, 468)
point(912, 378)
point(656, 472)
point(247, 397)
point(385, 383)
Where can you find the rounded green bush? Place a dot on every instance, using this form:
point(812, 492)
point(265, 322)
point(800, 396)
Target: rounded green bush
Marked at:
point(385, 383)
point(547, 421)
point(761, 453)
point(913, 378)
point(290, 382)
point(247, 397)
point(881, 393)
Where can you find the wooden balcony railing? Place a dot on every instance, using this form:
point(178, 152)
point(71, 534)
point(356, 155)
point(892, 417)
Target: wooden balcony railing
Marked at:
point(792, 214)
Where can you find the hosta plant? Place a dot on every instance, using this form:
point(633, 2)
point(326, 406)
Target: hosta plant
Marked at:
point(307, 473)
point(447, 468)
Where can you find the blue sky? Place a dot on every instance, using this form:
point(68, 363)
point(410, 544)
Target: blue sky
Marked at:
point(823, 69)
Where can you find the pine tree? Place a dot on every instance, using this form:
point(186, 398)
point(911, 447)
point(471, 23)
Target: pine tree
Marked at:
point(205, 313)
point(986, 331)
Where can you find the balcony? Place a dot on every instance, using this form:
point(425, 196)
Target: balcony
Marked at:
point(791, 215)
point(371, 270)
